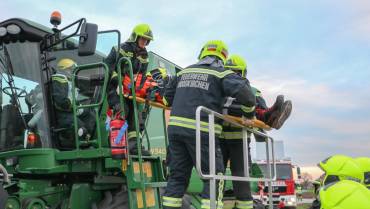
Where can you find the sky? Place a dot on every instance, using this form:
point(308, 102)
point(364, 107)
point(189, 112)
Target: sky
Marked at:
point(316, 53)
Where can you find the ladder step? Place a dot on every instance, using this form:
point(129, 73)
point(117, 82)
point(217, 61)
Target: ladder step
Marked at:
point(137, 185)
point(156, 184)
point(136, 157)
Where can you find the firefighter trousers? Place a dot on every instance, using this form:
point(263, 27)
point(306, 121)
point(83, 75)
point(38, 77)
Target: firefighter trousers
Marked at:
point(232, 150)
point(131, 122)
point(181, 160)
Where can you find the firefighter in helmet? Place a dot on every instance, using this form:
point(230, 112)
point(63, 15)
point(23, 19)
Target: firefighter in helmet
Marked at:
point(205, 83)
point(231, 138)
point(345, 194)
point(274, 116)
point(134, 49)
point(62, 102)
point(340, 172)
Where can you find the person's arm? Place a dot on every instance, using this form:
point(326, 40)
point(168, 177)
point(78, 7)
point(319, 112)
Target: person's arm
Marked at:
point(239, 88)
point(260, 101)
point(111, 61)
point(170, 90)
point(60, 94)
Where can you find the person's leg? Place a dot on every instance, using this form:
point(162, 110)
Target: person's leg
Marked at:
point(65, 130)
point(277, 114)
point(132, 136)
point(180, 164)
point(87, 121)
point(205, 168)
point(242, 189)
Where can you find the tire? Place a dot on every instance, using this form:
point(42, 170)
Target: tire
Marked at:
point(113, 200)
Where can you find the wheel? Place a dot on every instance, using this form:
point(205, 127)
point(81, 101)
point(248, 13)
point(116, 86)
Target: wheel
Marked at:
point(33, 203)
point(13, 203)
point(117, 200)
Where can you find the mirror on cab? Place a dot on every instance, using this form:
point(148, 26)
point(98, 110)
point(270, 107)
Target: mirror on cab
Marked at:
point(88, 39)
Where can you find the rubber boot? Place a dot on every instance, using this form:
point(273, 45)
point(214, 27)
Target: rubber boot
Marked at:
point(132, 144)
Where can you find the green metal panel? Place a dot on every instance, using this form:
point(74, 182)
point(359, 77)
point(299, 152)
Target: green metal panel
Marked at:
point(156, 61)
point(36, 194)
point(83, 196)
point(33, 161)
point(155, 131)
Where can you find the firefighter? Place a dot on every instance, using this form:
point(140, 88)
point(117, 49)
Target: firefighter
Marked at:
point(202, 84)
point(299, 192)
point(341, 167)
point(274, 116)
point(231, 138)
point(134, 49)
point(62, 102)
point(337, 168)
point(345, 194)
point(364, 163)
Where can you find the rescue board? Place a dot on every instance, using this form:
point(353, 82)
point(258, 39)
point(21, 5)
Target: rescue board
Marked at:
point(245, 122)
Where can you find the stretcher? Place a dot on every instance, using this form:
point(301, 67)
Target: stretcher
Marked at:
point(245, 122)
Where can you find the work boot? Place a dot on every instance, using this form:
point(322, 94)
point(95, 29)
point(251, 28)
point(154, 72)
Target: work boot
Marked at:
point(284, 114)
point(133, 148)
point(278, 103)
point(269, 115)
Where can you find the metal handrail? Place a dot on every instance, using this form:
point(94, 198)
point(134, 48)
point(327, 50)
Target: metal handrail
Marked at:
point(96, 106)
point(212, 176)
point(121, 61)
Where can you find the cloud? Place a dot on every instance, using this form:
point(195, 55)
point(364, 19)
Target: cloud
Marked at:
point(357, 24)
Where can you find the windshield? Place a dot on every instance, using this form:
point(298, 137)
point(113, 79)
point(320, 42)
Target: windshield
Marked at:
point(284, 171)
point(21, 97)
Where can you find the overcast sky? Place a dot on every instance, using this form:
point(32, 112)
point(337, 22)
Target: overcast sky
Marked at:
point(316, 53)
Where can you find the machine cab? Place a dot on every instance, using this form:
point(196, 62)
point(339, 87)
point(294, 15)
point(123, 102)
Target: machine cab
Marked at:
point(29, 57)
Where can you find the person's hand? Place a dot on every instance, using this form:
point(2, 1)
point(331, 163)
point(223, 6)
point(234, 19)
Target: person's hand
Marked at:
point(247, 121)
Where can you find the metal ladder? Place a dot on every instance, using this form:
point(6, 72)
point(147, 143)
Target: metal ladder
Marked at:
point(213, 176)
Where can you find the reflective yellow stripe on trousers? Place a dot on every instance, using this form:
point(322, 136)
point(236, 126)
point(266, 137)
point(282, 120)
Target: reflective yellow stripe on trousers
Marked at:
point(244, 204)
point(190, 123)
point(172, 202)
point(206, 204)
point(131, 134)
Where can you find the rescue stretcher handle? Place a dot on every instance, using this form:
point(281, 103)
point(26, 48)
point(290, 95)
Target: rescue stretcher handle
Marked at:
point(267, 138)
